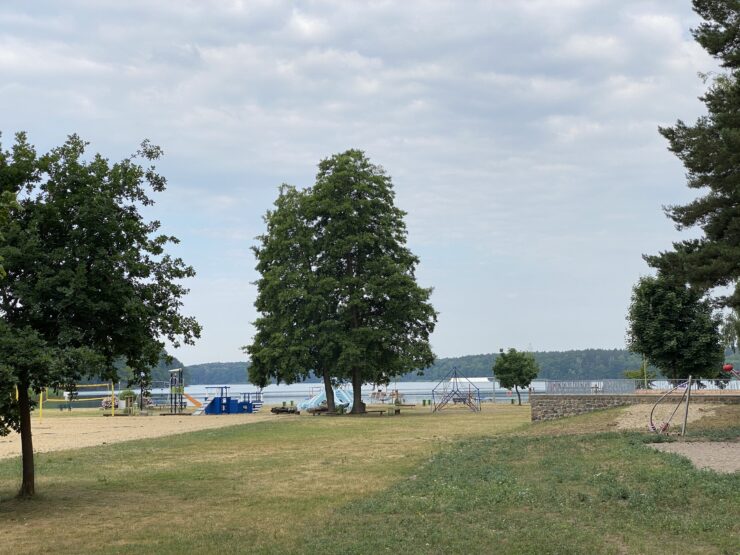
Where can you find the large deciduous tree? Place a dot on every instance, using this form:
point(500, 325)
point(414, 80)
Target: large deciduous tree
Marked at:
point(343, 299)
point(88, 280)
point(673, 327)
point(294, 335)
point(515, 369)
point(383, 317)
point(710, 151)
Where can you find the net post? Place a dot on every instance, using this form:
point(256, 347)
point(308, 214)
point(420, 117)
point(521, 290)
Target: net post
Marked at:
point(686, 412)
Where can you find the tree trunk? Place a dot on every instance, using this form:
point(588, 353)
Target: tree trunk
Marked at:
point(519, 397)
point(358, 407)
point(329, 391)
point(24, 406)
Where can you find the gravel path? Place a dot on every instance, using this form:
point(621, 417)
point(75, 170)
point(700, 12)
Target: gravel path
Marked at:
point(716, 455)
point(59, 433)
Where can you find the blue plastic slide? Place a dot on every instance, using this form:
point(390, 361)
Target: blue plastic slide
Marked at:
point(341, 399)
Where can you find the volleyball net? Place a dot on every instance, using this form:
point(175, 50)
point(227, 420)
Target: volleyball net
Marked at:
point(71, 395)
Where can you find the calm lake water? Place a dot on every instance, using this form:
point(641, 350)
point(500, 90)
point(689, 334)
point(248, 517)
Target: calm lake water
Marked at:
point(412, 392)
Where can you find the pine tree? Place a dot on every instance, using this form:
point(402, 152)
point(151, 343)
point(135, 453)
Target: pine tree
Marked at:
point(710, 151)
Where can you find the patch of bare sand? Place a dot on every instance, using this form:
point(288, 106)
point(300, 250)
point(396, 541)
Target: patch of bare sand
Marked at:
point(716, 455)
point(637, 417)
point(58, 433)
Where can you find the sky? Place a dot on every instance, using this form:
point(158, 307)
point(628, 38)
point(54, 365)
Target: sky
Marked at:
point(521, 137)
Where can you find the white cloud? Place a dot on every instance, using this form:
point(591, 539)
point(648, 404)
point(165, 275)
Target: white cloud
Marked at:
point(521, 136)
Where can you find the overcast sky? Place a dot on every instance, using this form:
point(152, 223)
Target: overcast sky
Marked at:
point(521, 137)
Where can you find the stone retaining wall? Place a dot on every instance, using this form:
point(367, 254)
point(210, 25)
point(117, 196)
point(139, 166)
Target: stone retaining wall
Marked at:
point(551, 407)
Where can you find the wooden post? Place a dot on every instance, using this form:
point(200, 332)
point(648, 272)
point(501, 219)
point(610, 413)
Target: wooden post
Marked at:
point(686, 413)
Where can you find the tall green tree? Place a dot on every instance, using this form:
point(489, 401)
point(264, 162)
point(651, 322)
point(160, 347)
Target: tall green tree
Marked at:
point(295, 330)
point(382, 318)
point(338, 293)
point(673, 327)
point(514, 369)
point(88, 280)
point(710, 151)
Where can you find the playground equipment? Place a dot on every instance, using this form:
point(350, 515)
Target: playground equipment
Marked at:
point(177, 391)
point(390, 395)
point(661, 413)
point(223, 403)
point(342, 399)
point(456, 389)
point(729, 369)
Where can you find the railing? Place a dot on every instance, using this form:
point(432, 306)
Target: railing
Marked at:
point(631, 387)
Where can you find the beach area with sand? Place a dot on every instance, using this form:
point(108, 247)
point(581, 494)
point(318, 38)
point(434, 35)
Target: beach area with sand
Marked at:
point(59, 432)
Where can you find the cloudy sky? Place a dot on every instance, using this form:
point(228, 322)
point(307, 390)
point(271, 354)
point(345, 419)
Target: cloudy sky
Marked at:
point(521, 137)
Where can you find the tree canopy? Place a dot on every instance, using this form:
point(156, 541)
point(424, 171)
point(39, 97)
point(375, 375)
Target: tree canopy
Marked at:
point(673, 326)
point(710, 151)
point(88, 280)
point(338, 292)
point(514, 369)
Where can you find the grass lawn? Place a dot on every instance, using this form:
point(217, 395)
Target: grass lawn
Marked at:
point(418, 483)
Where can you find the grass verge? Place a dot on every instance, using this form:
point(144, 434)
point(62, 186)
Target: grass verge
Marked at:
point(263, 487)
point(418, 483)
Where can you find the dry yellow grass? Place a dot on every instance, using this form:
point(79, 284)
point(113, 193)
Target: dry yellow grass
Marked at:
point(261, 485)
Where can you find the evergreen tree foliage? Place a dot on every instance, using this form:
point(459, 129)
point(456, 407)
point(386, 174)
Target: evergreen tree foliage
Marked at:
point(710, 151)
point(673, 326)
point(514, 369)
point(88, 280)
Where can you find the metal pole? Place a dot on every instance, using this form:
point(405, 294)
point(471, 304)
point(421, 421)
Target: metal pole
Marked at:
point(686, 413)
point(644, 371)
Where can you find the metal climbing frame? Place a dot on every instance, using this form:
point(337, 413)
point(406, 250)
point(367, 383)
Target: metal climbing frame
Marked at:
point(177, 388)
point(456, 389)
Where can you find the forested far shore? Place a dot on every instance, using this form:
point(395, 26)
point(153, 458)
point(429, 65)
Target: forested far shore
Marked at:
point(554, 365)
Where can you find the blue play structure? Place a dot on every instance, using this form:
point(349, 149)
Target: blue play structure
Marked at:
point(341, 399)
point(223, 403)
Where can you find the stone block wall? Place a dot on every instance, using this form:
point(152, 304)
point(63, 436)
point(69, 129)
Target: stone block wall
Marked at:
point(551, 407)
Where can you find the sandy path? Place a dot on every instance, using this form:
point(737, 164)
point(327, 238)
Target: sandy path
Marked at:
point(717, 455)
point(60, 432)
point(637, 417)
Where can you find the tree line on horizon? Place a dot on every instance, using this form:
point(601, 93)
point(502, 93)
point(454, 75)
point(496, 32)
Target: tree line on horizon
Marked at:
point(554, 365)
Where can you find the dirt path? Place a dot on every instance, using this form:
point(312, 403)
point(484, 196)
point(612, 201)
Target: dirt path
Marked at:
point(637, 417)
point(716, 455)
point(60, 432)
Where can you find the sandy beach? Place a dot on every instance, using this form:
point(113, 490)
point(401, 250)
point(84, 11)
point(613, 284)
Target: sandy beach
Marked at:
point(60, 432)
